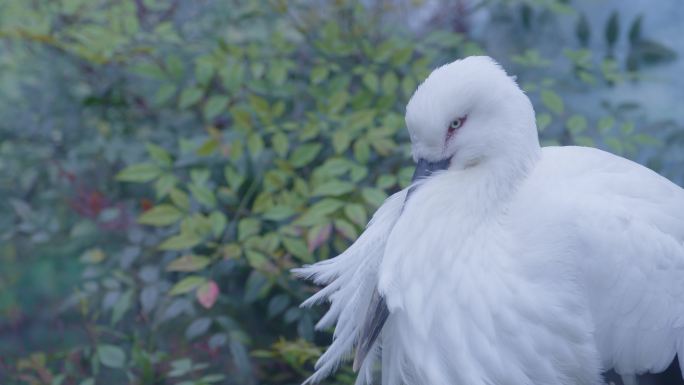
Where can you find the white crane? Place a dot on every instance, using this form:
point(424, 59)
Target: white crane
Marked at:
point(506, 263)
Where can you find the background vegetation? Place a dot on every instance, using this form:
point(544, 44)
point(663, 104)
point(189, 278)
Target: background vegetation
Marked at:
point(164, 164)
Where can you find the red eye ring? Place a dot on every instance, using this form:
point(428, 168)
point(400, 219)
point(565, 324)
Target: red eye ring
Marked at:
point(455, 125)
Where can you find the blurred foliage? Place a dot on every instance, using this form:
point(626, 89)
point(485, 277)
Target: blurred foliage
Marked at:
point(176, 159)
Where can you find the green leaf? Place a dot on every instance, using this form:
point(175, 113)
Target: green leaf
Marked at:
point(319, 73)
point(576, 124)
point(175, 66)
point(256, 259)
point(140, 172)
point(258, 69)
point(181, 241)
point(187, 285)
point(203, 195)
point(334, 167)
point(59, 379)
point(333, 188)
point(319, 210)
point(233, 178)
point(615, 145)
point(204, 70)
point(248, 227)
point(269, 242)
point(297, 248)
point(373, 196)
point(160, 215)
point(197, 225)
point(390, 82)
point(165, 184)
point(280, 143)
point(189, 96)
point(264, 200)
point(214, 106)
point(218, 223)
point(552, 101)
point(200, 175)
point(635, 30)
point(180, 199)
point(93, 256)
point(341, 140)
point(180, 367)
point(277, 305)
point(582, 30)
point(383, 146)
point(305, 154)
point(584, 141)
point(358, 173)
point(231, 251)
point(111, 356)
point(402, 56)
point(346, 229)
point(338, 101)
point(255, 144)
point(257, 286)
point(121, 306)
point(362, 151)
point(164, 94)
point(159, 154)
point(260, 105)
point(543, 121)
point(627, 128)
point(370, 80)
point(277, 73)
point(197, 328)
point(241, 117)
point(188, 263)
point(356, 213)
point(605, 124)
point(405, 176)
point(612, 29)
point(208, 147)
point(386, 181)
point(652, 52)
point(278, 213)
point(408, 85)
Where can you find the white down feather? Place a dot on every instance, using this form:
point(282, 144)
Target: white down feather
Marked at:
point(517, 265)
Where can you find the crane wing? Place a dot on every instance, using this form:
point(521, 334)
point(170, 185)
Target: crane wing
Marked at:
point(351, 288)
point(628, 229)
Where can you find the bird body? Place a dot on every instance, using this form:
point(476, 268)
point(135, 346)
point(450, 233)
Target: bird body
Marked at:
point(515, 265)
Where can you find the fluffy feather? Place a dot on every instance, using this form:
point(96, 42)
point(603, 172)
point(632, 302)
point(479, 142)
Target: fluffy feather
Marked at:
point(516, 266)
point(351, 279)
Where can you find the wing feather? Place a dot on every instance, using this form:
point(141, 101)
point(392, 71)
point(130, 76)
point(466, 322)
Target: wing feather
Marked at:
point(628, 228)
point(351, 280)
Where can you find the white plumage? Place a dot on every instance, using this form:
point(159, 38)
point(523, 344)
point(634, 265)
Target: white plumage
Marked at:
point(516, 265)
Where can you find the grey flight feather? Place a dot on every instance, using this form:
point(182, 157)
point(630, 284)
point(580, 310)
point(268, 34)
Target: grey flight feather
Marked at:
point(372, 326)
point(377, 310)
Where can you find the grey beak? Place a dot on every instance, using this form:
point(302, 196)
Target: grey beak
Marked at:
point(425, 169)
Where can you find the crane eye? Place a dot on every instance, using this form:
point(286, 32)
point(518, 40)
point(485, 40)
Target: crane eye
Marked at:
point(456, 124)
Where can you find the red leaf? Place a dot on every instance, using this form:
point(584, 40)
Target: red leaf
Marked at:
point(146, 204)
point(207, 294)
point(318, 235)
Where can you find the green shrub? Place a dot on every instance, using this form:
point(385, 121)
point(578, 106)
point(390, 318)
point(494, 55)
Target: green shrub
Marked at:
point(233, 145)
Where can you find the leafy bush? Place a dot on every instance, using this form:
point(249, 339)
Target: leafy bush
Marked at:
point(202, 150)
